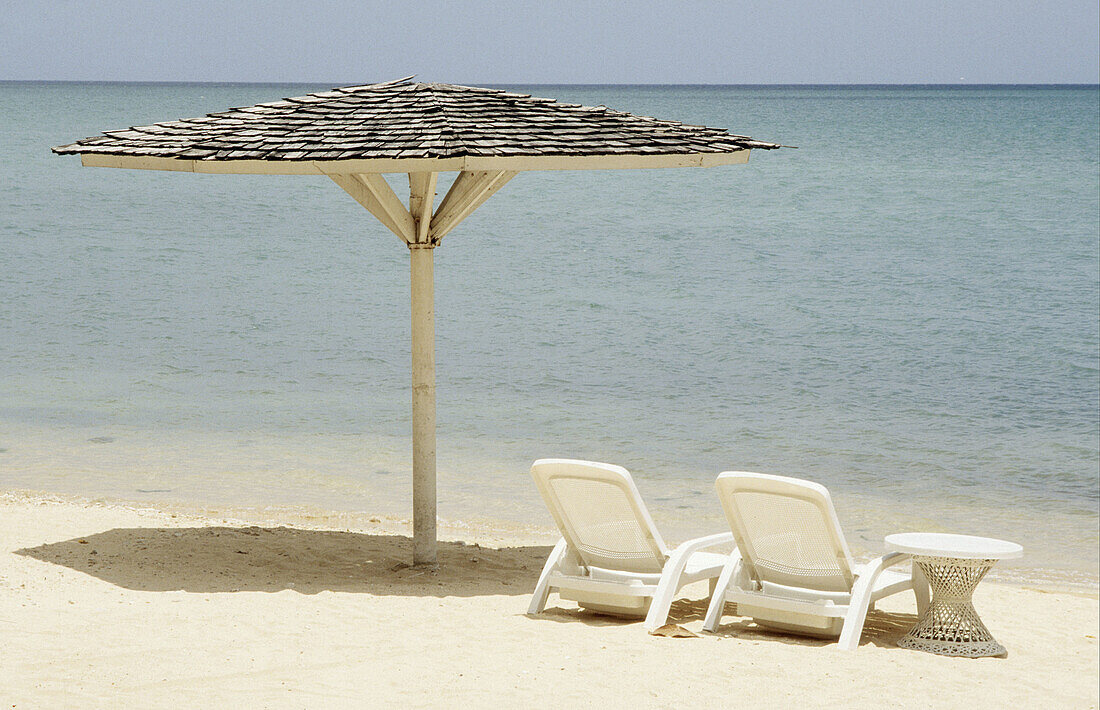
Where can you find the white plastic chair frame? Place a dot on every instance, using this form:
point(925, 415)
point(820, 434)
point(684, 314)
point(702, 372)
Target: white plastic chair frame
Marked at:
point(803, 598)
point(628, 563)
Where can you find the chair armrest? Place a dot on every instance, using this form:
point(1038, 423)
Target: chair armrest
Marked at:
point(890, 559)
point(862, 592)
point(875, 567)
point(670, 576)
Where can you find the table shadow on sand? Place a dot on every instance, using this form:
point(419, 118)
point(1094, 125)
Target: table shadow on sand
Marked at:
point(227, 559)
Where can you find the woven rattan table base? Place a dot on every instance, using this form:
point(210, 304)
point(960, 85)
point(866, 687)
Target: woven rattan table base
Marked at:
point(950, 626)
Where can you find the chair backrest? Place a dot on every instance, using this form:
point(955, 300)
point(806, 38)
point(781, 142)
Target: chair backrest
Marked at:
point(787, 531)
point(600, 514)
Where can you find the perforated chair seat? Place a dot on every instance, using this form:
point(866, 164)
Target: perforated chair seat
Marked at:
point(887, 583)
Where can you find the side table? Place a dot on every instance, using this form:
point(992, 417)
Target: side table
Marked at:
point(953, 566)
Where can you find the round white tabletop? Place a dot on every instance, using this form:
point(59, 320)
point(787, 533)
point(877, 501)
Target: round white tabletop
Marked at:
point(951, 566)
point(959, 547)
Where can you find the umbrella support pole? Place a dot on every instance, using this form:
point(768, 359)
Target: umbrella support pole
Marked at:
point(423, 402)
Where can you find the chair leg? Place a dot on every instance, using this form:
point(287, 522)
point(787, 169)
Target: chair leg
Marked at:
point(920, 589)
point(718, 592)
point(861, 600)
point(542, 588)
point(857, 614)
point(666, 590)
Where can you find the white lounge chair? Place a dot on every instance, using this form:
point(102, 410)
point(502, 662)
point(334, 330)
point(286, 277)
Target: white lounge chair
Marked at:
point(610, 558)
point(792, 569)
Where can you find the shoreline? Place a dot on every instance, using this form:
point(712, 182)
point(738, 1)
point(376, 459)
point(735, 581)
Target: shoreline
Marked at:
point(104, 605)
point(354, 475)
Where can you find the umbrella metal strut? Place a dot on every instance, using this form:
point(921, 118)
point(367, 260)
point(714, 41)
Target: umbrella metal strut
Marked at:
point(422, 229)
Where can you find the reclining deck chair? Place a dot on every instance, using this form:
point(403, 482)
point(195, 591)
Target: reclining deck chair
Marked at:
point(610, 558)
point(792, 569)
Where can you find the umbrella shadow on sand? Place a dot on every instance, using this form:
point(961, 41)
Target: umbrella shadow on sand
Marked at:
point(261, 559)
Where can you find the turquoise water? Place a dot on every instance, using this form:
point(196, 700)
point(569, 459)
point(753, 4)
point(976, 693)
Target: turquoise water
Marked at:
point(905, 308)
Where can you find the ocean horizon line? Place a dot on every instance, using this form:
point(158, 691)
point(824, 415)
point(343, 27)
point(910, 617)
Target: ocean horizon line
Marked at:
point(657, 85)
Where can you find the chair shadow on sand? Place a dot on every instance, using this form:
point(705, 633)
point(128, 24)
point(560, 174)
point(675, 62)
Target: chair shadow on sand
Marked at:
point(262, 559)
point(882, 629)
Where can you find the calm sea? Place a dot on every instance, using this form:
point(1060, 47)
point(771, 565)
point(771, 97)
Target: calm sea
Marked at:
point(904, 308)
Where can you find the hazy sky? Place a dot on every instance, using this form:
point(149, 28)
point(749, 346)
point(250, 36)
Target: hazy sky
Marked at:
point(553, 41)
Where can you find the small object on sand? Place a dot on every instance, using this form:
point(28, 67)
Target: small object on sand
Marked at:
point(674, 631)
point(82, 541)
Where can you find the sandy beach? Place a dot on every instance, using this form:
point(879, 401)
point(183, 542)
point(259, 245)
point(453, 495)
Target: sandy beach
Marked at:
point(104, 605)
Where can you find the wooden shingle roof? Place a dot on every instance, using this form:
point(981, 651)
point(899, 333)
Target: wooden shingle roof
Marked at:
point(442, 125)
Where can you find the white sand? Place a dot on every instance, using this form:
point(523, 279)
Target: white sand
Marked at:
point(105, 606)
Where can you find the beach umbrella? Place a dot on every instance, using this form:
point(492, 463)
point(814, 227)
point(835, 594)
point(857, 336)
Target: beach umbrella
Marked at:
point(356, 134)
